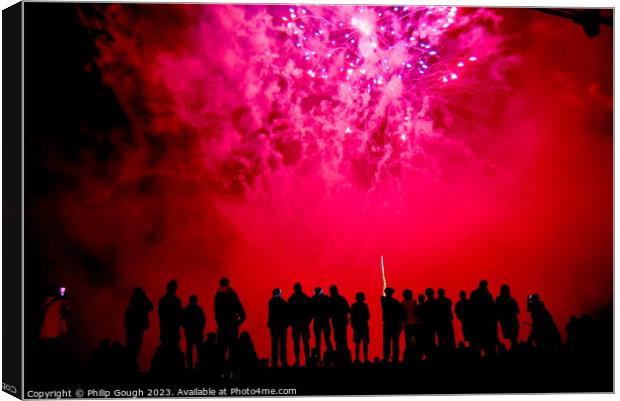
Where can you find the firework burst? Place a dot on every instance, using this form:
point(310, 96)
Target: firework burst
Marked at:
point(384, 70)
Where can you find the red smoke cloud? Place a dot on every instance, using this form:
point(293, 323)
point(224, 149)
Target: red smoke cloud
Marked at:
point(239, 165)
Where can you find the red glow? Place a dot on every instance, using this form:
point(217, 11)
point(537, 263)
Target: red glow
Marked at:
point(268, 178)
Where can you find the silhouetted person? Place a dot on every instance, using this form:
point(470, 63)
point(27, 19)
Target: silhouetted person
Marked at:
point(430, 312)
point(484, 319)
point(360, 315)
point(211, 358)
point(55, 313)
point(445, 328)
point(229, 314)
point(321, 310)
point(588, 334)
point(110, 360)
point(170, 312)
point(462, 309)
point(581, 334)
point(507, 314)
point(393, 316)
point(410, 310)
point(136, 322)
point(424, 335)
point(194, 322)
point(300, 316)
point(340, 319)
point(100, 360)
point(278, 325)
point(168, 360)
point(120, 363)
point(243, 354)
point(545, 334)
point(572, 328)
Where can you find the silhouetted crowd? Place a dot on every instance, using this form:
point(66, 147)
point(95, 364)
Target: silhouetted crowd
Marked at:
point(425, 321)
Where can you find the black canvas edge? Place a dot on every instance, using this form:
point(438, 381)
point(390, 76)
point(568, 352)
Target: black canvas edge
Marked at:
point(12, 202)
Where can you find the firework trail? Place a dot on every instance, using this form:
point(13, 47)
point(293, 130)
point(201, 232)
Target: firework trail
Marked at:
point(383, 274)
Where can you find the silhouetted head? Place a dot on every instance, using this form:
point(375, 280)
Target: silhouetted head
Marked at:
point(360, 296)
point(407, 294)
point(462, 294)
point(333, 290)
point(297, 287)
point(389, 291)
point(245, 338)
point(441, 292)
point(172, 286)
point(276, 292)
point(137, 295)
point(504, 290)
point(430, 293)
point(224, 282)
point(483, 284)
point(534, 298)
point(193, 299)
point(421, 298)
point(211, 337)
point(318, 291)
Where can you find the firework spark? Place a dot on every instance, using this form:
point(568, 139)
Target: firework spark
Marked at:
point(366, 47)
point(378, 72)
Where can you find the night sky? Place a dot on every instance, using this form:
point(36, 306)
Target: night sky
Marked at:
point(195, 142)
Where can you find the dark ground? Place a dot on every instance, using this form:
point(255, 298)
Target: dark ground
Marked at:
point(529, 372)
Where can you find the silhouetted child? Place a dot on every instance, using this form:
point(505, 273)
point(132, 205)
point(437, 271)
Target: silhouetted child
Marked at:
point(168, 360)
point(243, 355)
point(100, 360)
point(194, 322)
point(360, 314)
point(136, 322)
point(278, 327)
point(211, 358)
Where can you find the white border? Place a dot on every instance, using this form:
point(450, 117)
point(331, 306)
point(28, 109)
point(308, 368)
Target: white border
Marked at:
point(486, 3)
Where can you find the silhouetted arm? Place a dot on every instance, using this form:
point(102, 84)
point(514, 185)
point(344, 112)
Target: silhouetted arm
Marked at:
point(517, 310)
point(203, 320)
point(240, 311)
point(148, 305)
